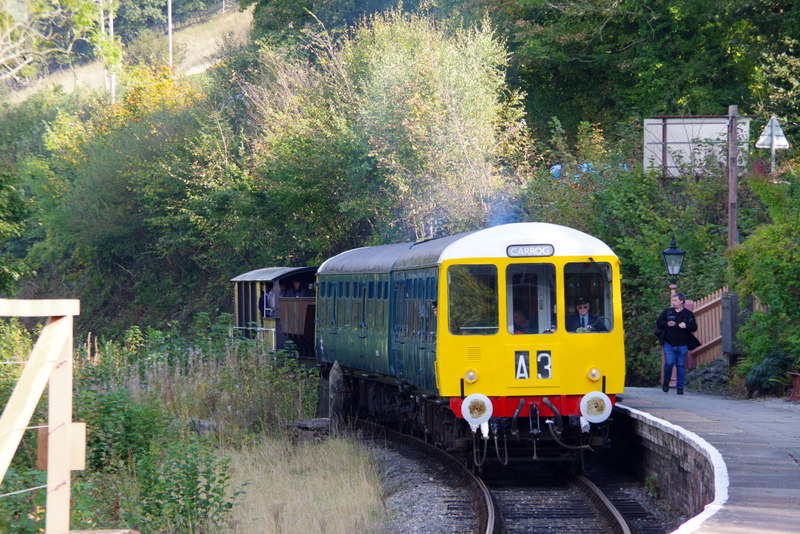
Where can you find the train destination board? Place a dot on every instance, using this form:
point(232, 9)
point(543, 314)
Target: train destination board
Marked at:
point(529, 251)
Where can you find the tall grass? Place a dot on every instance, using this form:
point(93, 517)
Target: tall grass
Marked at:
point(328, 487)
point(222, 382)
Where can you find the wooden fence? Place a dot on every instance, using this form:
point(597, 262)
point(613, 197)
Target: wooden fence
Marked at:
point(49, 365)
point(62, 442)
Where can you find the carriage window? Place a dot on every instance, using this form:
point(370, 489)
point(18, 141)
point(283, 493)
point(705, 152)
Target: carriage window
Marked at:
point(472, 296)
point(587, 289)
point(531, 298)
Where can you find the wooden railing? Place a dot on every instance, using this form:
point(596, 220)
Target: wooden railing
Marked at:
point(48, 365)
point(708, 313)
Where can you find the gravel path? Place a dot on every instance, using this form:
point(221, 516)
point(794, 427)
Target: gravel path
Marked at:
point(420, 498)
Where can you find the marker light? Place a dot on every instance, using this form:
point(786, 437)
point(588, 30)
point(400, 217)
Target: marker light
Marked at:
point(476, 409)
point(594, 374)
point(595, 406)
point(470, 376)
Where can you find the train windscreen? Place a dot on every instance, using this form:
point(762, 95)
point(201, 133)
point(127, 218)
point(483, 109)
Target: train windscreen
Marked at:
point(531, 298)
point(588, 293)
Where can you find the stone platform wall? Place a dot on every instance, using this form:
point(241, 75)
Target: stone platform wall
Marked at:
point(659, 454)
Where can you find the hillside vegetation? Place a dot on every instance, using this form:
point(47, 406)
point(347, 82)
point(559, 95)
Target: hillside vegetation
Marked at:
point(343, 124)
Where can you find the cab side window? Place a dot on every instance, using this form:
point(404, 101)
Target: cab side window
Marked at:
point(472, 299)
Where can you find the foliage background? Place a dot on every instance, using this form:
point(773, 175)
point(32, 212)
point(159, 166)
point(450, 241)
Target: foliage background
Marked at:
point(350, 123)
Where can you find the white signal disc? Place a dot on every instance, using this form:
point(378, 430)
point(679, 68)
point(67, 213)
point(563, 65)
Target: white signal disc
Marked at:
point(595, 406)
point(476, 409)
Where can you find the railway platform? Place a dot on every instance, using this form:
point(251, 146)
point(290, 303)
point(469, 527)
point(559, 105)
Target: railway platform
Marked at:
point(757, 480)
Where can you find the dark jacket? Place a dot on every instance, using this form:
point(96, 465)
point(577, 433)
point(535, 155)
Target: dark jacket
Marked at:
point(675, 335)
point(295, 293)
point(574, 322)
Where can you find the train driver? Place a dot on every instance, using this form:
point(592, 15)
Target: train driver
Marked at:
point(583, 321)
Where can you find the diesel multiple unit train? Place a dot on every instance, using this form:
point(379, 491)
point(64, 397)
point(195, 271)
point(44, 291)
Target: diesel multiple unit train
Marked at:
point(501, 343)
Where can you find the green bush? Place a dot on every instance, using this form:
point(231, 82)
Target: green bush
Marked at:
point(23, 513)
point(183, 489)
point(768, 376)
point(119, 428)
point(767, 354)
point(262, 392)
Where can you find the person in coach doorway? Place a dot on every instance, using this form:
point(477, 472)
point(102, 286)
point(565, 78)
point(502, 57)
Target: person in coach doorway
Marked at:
point(297, 290)
point(677, 323)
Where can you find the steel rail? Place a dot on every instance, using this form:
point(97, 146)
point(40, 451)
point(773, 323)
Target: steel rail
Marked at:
point(618, 525)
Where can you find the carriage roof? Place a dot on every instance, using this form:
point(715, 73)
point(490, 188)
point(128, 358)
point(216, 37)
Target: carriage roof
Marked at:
point(271, 274)
point(487, 243)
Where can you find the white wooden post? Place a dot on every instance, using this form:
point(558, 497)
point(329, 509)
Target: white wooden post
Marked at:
point(59, 439)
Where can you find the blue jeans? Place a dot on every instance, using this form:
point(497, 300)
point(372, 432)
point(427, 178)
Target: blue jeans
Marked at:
point(675, 356)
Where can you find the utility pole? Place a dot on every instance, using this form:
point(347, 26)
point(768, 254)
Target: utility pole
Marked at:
point(733, 177)
point(169, 30)
point(113, 75)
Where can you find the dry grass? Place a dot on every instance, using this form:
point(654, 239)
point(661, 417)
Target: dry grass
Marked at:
point(329, 487)
point(201, 41)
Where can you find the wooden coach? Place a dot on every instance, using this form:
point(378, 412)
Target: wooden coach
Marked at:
point(292, 319)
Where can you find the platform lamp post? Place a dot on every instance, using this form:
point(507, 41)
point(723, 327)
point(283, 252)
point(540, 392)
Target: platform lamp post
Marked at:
point(673, 260)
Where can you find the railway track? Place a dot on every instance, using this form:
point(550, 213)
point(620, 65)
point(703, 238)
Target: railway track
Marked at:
point(538, 499)
point(527, 499)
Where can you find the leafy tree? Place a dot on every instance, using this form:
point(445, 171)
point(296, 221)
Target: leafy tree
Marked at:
point(276, 17)
point(606, 61)
point(13, 210)
point(133, 18)
point(404, 125)
point(312, 164)
point(33, 31)
point(767, 266)
point(780, 84)
point(440, 119)
point(287, 18)
point(152, 50)
point(107, 226)
point(28, 183)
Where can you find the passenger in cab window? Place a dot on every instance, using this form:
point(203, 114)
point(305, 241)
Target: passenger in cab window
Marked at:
point(582, 320)
point(522, 324)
